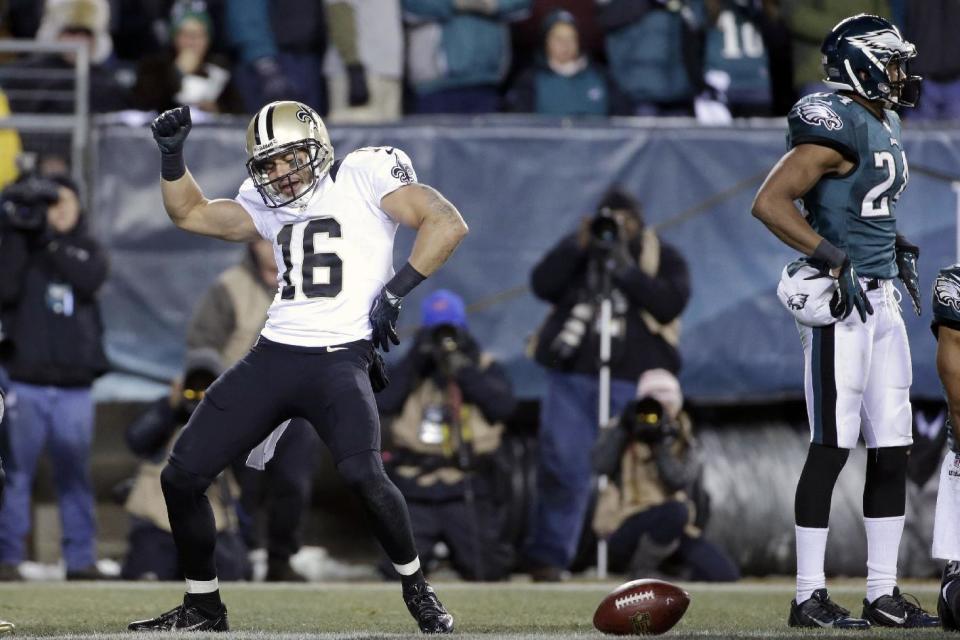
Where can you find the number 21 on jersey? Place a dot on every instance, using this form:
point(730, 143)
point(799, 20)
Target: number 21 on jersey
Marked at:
point(876, 203)
point(309, 273)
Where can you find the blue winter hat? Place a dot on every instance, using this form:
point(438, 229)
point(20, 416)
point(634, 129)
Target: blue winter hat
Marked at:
point(443, 307)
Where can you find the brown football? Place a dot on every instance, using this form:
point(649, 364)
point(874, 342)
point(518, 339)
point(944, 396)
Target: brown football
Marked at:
point(641, 608)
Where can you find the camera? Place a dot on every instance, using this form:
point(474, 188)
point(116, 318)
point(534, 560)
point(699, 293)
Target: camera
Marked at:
point(645, 422)
point(566, 344)
point(24, 204)
point(444, 347)
point(605, 228)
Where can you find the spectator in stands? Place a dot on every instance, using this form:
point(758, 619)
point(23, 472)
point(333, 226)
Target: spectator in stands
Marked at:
point(808, 20)
point(655, 54)
point(648, 288)
point(648, 512)
point(50, 272)
point(186, 73)
point(228, 320)
point(527, 34)
point(563, 81)
point(365, 74)
point(151, 552)
point(932, 27)
point(736, 65)
point(459, 52)
point(450, 400)
point(5, 627)
point(279, 48)
point(82, 21)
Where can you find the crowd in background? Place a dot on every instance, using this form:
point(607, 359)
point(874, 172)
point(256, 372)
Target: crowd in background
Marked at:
point(376, 60)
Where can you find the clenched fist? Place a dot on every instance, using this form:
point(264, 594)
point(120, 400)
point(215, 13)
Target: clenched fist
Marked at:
point(170, 130)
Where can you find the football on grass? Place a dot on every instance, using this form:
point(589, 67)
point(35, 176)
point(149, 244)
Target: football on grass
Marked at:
point(641, 608)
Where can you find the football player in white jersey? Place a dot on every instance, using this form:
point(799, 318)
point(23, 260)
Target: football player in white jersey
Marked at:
point(332, 224)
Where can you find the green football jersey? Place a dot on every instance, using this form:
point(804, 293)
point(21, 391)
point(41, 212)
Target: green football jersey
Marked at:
point(855, 211)
point(946, 312)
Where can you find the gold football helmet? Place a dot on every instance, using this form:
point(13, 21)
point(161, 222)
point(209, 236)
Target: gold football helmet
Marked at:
point(294, 134)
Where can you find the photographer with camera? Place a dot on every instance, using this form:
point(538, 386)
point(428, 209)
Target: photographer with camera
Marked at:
point(151, 552)
point(450, 400)
point(654, 508)
point(613, 257)
point(50, 272)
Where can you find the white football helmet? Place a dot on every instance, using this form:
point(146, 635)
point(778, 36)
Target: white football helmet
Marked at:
point(806, 292)
point(280, 128)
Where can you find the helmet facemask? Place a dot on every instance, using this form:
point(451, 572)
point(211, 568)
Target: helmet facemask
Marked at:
point(296, 185)
point(905, 90)
point(290, 134)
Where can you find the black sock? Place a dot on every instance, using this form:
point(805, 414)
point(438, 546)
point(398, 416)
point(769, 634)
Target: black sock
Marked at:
point(208, 604)
point(413, 579)
point(951, 593)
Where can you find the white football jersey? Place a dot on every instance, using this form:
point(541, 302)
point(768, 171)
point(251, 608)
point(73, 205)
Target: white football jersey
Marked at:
point(335, 253)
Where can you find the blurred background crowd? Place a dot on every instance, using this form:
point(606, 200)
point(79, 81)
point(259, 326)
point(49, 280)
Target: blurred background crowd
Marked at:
point(498, 464)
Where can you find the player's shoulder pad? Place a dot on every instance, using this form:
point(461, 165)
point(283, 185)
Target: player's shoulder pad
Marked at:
point(824, 118)
point(376, 159)
point(946, 295)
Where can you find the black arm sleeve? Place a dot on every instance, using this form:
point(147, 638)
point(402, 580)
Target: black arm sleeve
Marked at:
point(553, 275)
point(80, 262)
point(13, 264)
point(489, 389)
point(403, 377)
point(664, 295)
point(148, 435)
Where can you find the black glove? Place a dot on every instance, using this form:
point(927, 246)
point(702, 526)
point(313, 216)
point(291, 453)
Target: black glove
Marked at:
point(170, 130)
point(383, 319)
point(907, 255)
point(379, 379)
point(849, 295)
point(273, 81)
point(358, 93)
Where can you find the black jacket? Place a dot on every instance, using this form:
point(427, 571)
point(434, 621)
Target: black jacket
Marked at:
point(48, 306)
point(561, 278)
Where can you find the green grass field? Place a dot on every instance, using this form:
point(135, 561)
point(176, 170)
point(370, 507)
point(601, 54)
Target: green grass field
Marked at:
point(751, 609)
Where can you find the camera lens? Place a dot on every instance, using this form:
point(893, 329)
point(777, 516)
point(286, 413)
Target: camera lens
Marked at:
point(605, 229)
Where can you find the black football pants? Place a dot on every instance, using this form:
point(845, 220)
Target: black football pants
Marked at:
point(274, 382)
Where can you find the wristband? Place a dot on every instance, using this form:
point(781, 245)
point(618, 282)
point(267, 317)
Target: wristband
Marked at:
point(404, 281)
point(826, 252)
point(172, 166)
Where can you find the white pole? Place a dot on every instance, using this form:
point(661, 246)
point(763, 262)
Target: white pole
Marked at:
point(603, 411)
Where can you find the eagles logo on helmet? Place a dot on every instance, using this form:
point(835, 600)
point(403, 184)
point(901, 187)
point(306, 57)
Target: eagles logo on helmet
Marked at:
point(294, 133)
point(867, 55)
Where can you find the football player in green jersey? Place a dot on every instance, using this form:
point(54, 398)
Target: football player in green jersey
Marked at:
point(846, 163)
point(946, 524)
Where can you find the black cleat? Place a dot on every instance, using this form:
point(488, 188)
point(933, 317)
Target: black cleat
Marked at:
point(951, 572)
point(896, 611)
point(822, 612)
point(183, 618)
point(423, 605)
